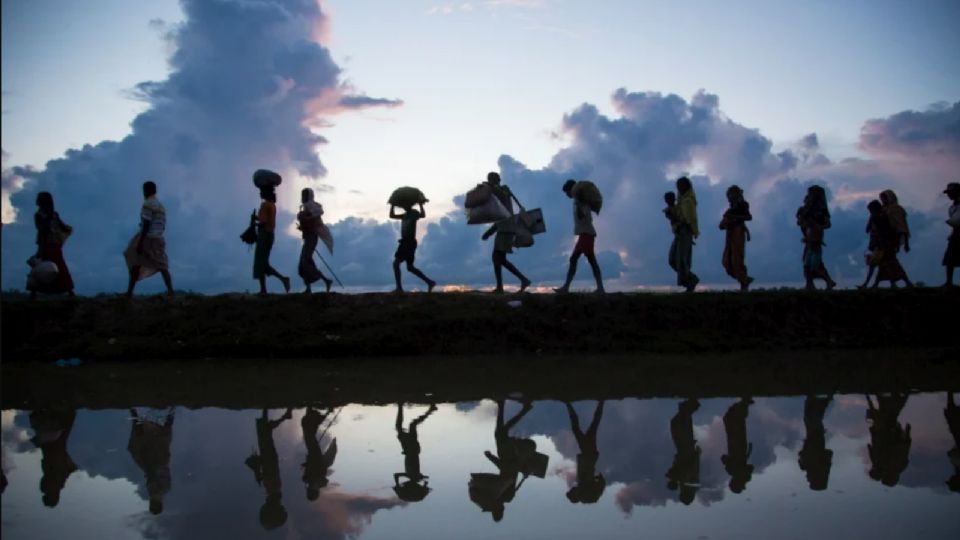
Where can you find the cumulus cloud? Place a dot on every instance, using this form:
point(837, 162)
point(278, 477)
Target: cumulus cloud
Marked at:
point(248, 81)
point(935, 131)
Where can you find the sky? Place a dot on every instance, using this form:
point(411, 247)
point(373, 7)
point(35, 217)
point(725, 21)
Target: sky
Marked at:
point(356, 98)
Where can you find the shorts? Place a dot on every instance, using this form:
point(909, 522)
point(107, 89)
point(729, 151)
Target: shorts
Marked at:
point(585, 245)
point(406, 251)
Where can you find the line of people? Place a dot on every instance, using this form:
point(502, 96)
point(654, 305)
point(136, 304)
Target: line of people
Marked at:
point(516, 458)
point(146, 253)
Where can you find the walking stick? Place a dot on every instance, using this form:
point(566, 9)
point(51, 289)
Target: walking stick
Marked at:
point(328, 268)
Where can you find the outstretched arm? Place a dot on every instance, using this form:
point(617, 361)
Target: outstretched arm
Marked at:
point(490, 231)
point(423, 213)
point(394, 214)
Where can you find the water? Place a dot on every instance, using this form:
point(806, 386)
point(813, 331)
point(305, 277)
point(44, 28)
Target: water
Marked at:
point(662, 468)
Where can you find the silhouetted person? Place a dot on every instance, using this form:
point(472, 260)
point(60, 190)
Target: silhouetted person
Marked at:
point(889, 446)
point(52, 232)
point(815, 459)
point(685, 232)
point(586, 238)
point(318, 463)
point(146, 254)
point(671, 213)
point(503, 243)
point(266, 221)
point(896, 234)
point(52, 430)
point(684, 473)
point(736, 460)
point(590, 484)
point(407, 250)
point(414, 488)
point(734, 222)
point(492, 491)
point(813, 218)
point(951, 257)
point(149, 446)
point(310, 223)
point(952, 414)
point(266, 471)
point(880, 232)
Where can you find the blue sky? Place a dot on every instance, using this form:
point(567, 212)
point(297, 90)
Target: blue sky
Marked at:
point(483, 79)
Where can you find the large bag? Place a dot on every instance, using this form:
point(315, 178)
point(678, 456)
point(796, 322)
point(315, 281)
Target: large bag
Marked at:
point(522, 238)
point(407, 196)
point(478, 195)
point(263, 178)
point(59, 231)
point(533, 221)
point(323, 232)
point(587, 192)
point(491, 211)
point(42, 273)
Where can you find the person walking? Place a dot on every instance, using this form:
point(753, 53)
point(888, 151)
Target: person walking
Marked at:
point(586, 237)
point(813, 218)
point(685, 231)
point(407, 250)
point(734, 248)
point(951, 257)
point(52, 233)
point(505, 231)
point(266, 221)
point(310, 223)
point(146, 254)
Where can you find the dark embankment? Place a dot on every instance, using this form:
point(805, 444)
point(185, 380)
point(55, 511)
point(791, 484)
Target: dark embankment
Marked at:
point(253, 384)
point(385, 325)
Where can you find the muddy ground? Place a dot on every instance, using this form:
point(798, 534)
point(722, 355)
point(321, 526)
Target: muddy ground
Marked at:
point(230, 327)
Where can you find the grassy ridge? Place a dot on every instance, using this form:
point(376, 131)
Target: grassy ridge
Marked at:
point(474, 324)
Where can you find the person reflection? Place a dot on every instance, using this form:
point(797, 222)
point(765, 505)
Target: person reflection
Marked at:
point(952, 414)
point(814, 458)
point(414, 488)
point(738, 449)
point(149, 446)
point(318, 463)
point(889, 446)
point(590, 485)
point(684, 473)
point(52, 429)
point(489, 491)
point(266, 471)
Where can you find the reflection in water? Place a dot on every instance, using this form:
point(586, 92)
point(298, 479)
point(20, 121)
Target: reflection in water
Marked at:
point(889, 446)
point(814, 458)
point(590, 485)
point(411, 490)
point(514, 456)
point(149, 447)
point(266, 471)
point(52, 428)
point(318, 463)
point(684, 474)
point(738, 449)
point(640, 438)
point(952, 414)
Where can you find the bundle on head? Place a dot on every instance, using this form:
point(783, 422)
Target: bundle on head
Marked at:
point(263, 178)
point(406, 196)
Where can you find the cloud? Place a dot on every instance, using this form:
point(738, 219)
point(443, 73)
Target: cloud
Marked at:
point(935, 131)
point(247, 83)
point(360, 102)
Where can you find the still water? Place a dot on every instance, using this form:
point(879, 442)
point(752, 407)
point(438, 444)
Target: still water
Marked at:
point(843, 466)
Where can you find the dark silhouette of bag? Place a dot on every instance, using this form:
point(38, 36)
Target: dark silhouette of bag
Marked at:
point(477, 196)
point(263, 178)
point(587, 192)
point(406, 196)
point(491, 211)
